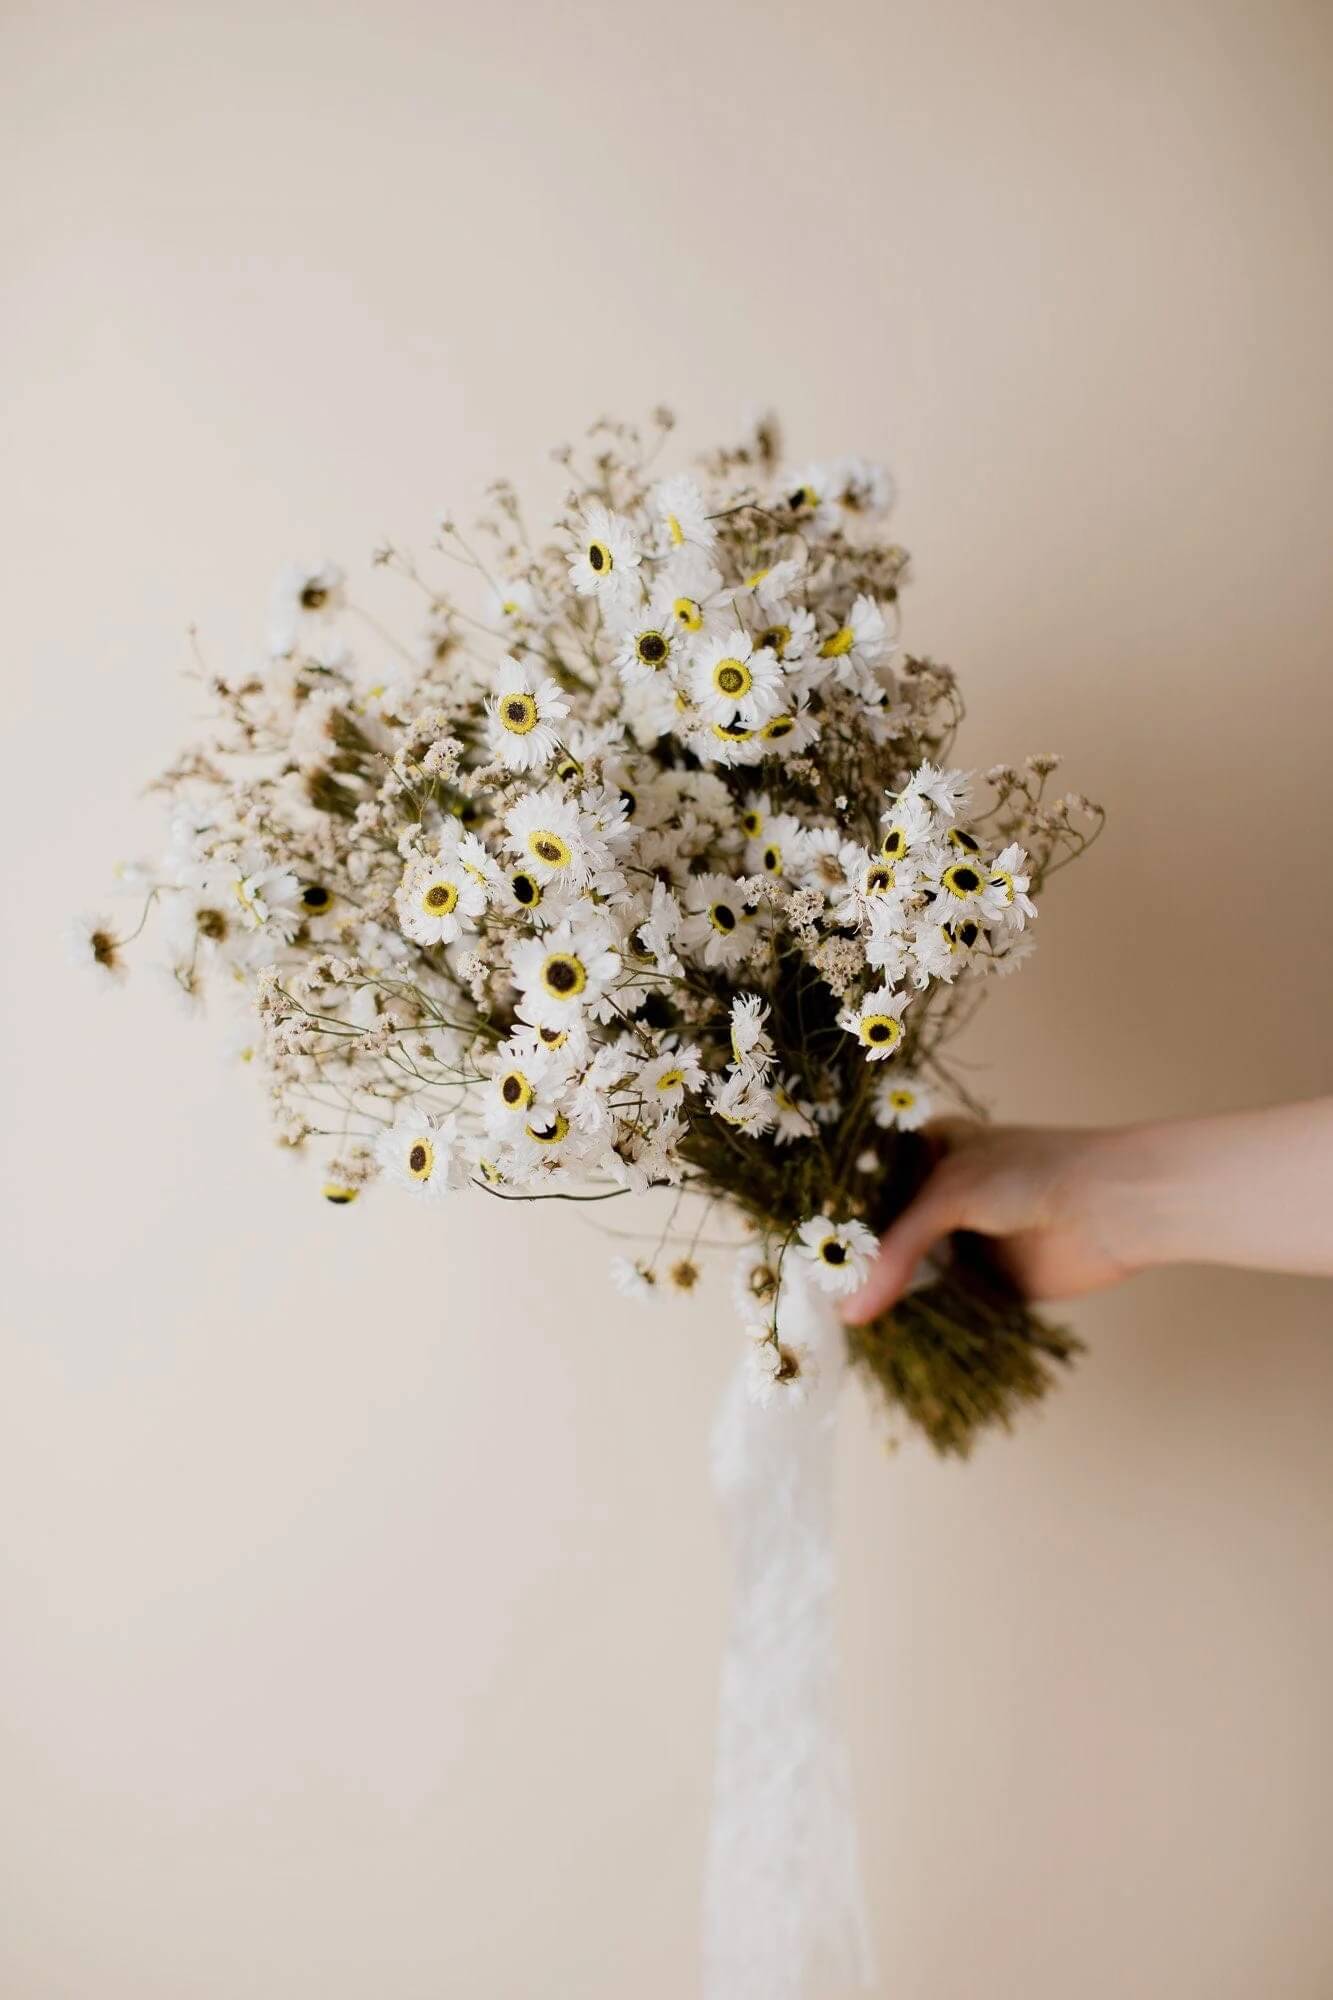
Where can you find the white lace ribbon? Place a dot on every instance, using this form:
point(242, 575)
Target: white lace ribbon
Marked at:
point(784, 1907)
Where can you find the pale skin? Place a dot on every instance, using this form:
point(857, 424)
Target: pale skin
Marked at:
point(1073, 1211)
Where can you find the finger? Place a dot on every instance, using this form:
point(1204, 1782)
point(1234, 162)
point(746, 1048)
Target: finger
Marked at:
point(935, 1213)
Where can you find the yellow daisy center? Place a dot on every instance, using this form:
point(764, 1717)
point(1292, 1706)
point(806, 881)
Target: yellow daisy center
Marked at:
point(527, 889)
point(552, 1134)
point(515, 1090)
point(755, 578)
point(833, 1250)
point(421, 1159)
point(1002, 879)
point(879, 1031)
point(651, 649)
point(902, 1100)
point(732, 732)
point(732, 678)
point(960, 837)
point(549, 848)
point(440, 899)
point(772, 858)
point(600, 559)
point(838, 644)
point(879, 879)
point(339, 1195)
point(723, 918)
point(564, 976)
point(963, 881)
point(690, 613)
point(894, 843)
point(518, 713)
point(777, 638)
point(762, 1281)
point(752, 824)
point(671, 1079)
point(315, 898)
point(567, 768)
point(674, 529)
point(781, 725)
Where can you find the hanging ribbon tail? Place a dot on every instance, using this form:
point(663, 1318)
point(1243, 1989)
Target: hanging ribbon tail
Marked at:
point(784, 1906)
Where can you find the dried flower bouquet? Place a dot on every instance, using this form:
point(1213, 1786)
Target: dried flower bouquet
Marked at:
point(645, 865)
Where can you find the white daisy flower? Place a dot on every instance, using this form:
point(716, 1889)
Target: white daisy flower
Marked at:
point(477, 861)
point(650, 642)
point(793, 729)
point(901, 1103)
point(91, 942)
point(754, 1282)
point(1008, 874)
point(965, 889)
point(659, 929)
point(773, 585)
point(699, 598)
point(513, 604)
point(727, 743)
point(562, 973)
point(632, 1279)
point(779, 850)
point(859, 486)
point(794, 1116)
point(523, 712)
point(548, 833)
point(305, 597)
point(778, 1373)
point(522, 1071)
point(663, 1081)
point(268, 898)
point(732, 683)
point(646, 1159)
point(807, 498)
point(839, 1253)
point(742, 1101)
point(422, 1154)
point(872, 883)
point(751, 1044)
point(830, 862)
point(859, 645)
point(756, 810)
point(907, 824)
point(942, 951)
point(590, 1104)
point(607, 555)
point(945, 792)
point(719, 925)
point(787, 630)
point(878, 1022)
point(886, 944)
point(437, 899)
point(680, 506)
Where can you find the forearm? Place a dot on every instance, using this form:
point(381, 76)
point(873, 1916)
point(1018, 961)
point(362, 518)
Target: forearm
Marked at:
point(1253, 1190)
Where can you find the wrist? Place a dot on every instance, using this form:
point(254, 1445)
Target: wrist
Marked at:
point(1123, 1188)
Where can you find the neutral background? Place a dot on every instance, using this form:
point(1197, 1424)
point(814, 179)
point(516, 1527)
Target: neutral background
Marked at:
point(361, 1590)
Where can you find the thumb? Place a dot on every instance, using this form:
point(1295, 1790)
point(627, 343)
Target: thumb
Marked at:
point(936, 1212)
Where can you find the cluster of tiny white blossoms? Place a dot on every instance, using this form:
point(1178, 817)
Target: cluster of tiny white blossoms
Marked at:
point(649, 868)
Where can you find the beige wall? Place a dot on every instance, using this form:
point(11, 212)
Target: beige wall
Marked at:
point(361, 1593)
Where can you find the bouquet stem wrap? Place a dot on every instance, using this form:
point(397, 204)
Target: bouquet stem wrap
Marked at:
point(784, 1902)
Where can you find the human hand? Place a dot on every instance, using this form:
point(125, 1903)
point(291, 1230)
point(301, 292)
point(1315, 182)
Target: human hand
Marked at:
point(1053, 1203)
